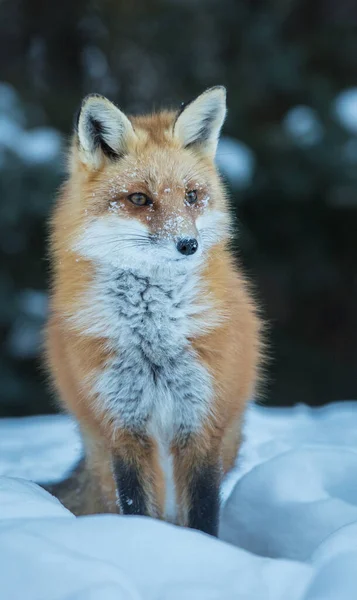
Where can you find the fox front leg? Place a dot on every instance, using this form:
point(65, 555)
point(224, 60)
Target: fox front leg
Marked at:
point(198, 478)
point(136, 476)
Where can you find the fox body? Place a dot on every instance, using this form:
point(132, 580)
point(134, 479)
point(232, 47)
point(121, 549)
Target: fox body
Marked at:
point(153, 341)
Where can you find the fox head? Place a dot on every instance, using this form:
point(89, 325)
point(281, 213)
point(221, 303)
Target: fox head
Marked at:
point(145, 189)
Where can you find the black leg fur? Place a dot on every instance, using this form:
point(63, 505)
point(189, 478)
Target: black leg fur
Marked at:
point(204, 499)
point(132, 497)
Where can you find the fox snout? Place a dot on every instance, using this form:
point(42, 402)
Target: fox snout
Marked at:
point(187, 246)
point(176, 230)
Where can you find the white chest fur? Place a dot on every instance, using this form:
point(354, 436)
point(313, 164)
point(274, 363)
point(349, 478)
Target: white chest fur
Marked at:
point(155, 383)
point(155, 376)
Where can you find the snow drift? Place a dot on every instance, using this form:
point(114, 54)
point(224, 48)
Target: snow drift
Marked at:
point(288, 527)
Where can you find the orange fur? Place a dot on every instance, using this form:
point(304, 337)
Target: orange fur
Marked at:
point(230, 351)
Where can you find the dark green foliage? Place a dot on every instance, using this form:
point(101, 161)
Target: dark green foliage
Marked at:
point(298, 218)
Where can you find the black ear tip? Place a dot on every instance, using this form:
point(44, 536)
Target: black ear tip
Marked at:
point(84, 101)
point(91, 97)
point(218, 88)
point(182, 107)
point(76, 118)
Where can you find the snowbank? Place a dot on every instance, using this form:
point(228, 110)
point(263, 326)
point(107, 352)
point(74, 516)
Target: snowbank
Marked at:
point(290, 517)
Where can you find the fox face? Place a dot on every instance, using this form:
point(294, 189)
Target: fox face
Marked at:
point(148, 189)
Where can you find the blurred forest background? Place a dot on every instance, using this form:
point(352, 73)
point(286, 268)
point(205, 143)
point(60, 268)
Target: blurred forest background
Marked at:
point(289, 154)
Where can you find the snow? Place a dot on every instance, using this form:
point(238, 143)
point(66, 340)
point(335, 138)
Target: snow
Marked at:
point(37, 146)
point(40, 145)
point(303, 125)
point(25, 335)
point(33, 302)
point(10, 103)
point(40, 448)
point(236, 161)
point(288, 526)
point(345, 109)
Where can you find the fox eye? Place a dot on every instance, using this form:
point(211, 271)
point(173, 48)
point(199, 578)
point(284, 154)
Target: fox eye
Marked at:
point(140, 199)
point(191, 197)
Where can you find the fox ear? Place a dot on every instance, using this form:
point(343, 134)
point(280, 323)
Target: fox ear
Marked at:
point(103, 131)
point(199, 122)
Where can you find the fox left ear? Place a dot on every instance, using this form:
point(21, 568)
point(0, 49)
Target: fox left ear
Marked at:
point(102, 130)
point(199, 122)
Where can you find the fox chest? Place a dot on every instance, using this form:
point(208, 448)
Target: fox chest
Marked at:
point(155, 381)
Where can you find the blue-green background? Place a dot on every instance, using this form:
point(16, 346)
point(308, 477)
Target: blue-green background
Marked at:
point(290, 67)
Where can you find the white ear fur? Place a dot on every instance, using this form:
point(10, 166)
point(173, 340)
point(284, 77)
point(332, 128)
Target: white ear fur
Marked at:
point(103, 130)
point(199, 124)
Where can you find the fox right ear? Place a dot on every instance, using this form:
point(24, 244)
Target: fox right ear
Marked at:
point(103, 131)
point(199, 123)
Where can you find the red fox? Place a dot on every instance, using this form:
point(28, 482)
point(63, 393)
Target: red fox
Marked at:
point(153, 340)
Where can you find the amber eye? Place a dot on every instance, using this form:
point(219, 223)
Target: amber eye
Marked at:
point(140, 199)
point(191, 197)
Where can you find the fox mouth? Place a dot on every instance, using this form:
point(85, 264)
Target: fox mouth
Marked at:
point(183, 258)
point(184, 248)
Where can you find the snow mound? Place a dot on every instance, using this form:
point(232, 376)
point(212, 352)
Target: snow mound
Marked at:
point(288, 527)
point(124, 558)
point(41, 448)
point(306, 495)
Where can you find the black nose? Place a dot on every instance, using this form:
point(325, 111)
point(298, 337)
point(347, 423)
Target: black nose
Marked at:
point(187, 246)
